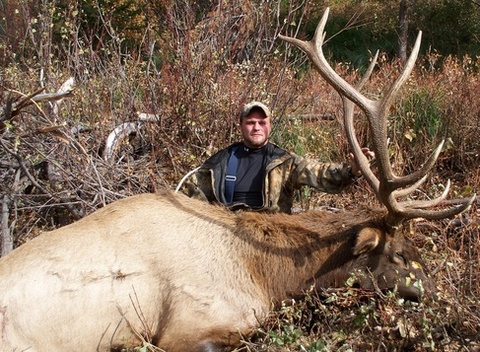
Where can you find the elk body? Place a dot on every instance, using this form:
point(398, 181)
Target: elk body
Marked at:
point(188, 275)
point(191, 276)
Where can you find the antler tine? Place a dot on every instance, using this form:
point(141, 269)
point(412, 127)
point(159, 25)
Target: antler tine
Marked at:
point(368, 73)
point(423, 171)
point(313, 49)
point(416, 210)
point(404, 192)
point(422, 204)
point(407, 70)
point(391, 180)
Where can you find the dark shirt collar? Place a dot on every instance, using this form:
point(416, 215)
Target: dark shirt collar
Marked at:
point(254, 150)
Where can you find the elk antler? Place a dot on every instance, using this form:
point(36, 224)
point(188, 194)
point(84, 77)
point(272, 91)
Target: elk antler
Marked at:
point(388, 187)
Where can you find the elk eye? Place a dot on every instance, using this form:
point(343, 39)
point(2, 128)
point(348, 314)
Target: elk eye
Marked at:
point(401, 257)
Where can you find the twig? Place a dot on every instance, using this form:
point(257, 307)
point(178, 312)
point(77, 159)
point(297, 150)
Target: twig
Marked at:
point(13, 109)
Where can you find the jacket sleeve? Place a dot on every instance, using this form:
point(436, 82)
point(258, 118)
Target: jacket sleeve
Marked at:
point(326, 177)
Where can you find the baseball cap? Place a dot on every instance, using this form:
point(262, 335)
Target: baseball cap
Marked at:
point(255, 104)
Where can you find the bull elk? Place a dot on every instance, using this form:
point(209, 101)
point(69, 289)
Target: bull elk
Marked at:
point(191, 276)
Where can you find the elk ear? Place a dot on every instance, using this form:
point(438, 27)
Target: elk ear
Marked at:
point(367, 239)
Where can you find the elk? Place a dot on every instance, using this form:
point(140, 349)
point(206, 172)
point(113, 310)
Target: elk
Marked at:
point(191, 276)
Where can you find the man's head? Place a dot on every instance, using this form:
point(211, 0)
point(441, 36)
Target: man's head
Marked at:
point(255, 124)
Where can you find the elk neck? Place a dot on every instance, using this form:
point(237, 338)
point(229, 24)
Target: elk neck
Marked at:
point(286, 254)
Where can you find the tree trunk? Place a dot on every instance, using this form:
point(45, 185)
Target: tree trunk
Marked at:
point(403, 30)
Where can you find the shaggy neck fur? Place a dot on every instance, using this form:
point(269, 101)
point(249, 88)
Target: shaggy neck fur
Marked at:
point(288, 253)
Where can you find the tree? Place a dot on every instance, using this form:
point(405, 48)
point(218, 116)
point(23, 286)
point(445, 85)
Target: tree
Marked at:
point(403, 29)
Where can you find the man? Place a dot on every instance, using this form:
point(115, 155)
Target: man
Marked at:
point(255, 174)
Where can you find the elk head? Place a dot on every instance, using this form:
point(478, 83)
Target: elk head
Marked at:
point(388, 187)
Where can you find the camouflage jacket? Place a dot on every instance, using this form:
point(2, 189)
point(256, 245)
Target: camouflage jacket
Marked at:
point(285, 173)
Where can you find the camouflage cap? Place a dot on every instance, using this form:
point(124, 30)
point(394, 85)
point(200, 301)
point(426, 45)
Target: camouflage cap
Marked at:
point(255, 104)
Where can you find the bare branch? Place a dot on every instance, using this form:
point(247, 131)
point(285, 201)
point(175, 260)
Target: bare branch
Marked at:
point(14, 109)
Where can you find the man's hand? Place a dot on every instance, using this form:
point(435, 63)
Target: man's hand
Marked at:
point(353, 162)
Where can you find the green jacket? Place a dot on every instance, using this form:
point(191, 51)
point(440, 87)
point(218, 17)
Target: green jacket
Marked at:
point(285, 173)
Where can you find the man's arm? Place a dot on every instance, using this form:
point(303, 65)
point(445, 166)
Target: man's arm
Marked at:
point(326, 177)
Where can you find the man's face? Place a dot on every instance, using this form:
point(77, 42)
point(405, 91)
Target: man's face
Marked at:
point(255, 129)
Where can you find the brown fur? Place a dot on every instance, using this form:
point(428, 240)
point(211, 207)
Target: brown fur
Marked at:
point(186, 274)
